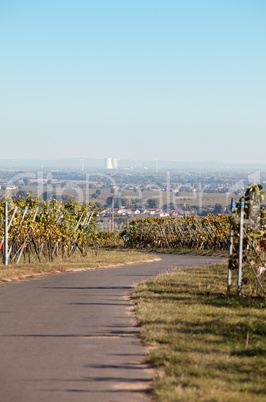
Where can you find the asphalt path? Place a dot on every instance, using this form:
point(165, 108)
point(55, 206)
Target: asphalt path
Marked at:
point(72, 337)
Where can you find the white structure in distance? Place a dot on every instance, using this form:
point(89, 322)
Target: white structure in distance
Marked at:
point(114, 163)
point(111, 163)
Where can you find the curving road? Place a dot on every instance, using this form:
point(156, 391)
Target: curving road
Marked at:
point(71, 337)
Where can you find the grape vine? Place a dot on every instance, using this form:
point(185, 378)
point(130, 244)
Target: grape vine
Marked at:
point(44, 229)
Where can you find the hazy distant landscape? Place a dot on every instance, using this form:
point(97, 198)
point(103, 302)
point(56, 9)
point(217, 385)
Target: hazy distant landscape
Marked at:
point(92, 163)
point(134, 190)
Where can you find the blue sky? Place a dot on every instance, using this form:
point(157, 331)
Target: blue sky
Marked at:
point(133, 79)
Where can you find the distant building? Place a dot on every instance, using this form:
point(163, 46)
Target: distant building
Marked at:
point(114, 163)
point(108, 163)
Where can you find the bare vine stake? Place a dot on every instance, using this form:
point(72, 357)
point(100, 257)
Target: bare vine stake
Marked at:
point(192, 233)
point(186, 233)
point(182, 232)
point(77, 225)
point(161, 233)
point(88, 218)
point(177, 230)
point(166, 241)
point(26, 238)
point(17, 232)
point(202, 233)
point(231, 239)
point(213, 231)
point(240, 250)
point(12, 217)
point(208, 233)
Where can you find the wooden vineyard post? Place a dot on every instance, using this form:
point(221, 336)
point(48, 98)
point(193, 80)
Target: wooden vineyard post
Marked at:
point(231, 239)
point(240, 250)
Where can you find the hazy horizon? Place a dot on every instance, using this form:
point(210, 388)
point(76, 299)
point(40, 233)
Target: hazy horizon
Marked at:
point(100, 164)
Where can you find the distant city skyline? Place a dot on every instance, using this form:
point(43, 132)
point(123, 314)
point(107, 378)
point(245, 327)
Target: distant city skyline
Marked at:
point(170, 80)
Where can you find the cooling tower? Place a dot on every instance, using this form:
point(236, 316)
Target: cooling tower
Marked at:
point(114, 163)
point(108, 163)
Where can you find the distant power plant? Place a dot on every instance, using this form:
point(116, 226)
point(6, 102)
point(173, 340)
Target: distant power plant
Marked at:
point(114, 162)
point(111, 163)
point(108, 163)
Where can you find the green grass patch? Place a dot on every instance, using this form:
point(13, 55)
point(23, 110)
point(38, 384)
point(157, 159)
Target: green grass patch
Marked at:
point(95, 259)
point(206, 345)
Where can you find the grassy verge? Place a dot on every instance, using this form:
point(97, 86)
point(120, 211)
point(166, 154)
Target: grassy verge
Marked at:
point(204, 344)
point(102, 259)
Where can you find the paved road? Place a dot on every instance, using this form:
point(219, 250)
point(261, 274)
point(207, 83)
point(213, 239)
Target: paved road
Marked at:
point(71, 337)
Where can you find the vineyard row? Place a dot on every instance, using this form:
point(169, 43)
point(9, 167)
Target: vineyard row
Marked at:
point(45, 229)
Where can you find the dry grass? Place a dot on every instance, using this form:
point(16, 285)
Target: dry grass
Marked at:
point(197, 336)
point(101, 260)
